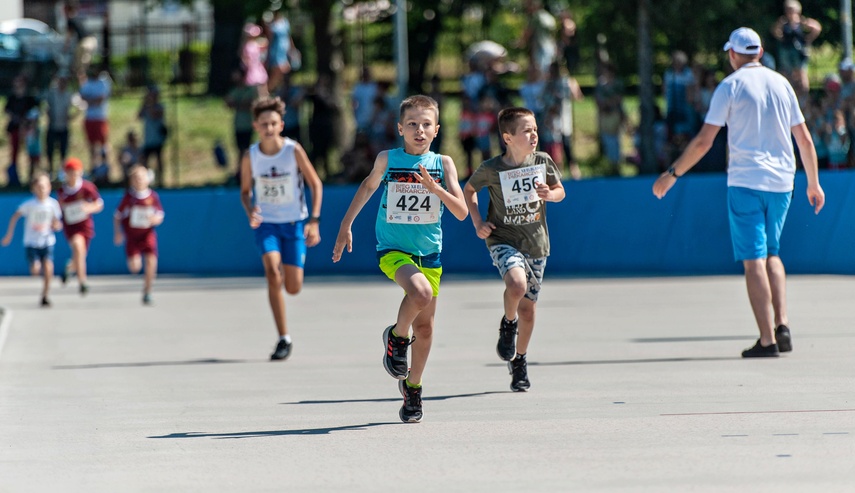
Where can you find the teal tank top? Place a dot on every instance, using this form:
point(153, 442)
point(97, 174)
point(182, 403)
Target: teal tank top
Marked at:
point(409, 220)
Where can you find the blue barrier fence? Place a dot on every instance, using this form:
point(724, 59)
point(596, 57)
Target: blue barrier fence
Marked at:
point(604, 227)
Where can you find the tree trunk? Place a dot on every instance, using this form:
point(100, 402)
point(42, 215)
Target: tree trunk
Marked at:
point(329, 59)
point(645, 89)
point(225, 46)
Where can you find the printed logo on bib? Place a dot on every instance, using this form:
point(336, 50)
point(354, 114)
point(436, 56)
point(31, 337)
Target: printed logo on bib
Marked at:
point(518, 185)
point(140, 217)
point(275, 190)
point(73, 212)
point(39, 220)
point(411, 203)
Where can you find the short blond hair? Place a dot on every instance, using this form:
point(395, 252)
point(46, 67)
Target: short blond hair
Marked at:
point(419, 101)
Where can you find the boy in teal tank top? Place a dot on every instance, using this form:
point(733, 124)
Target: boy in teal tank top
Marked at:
point(417, 186)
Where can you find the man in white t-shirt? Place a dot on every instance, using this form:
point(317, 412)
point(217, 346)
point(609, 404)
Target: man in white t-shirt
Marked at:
point(762, 113)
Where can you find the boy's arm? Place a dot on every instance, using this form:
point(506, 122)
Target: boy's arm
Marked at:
point(10, 231)
point(312, 230)
point(551, 193)
point(482, 228)
point(363, 193)
point(252, 212)
point(117, 229)
point(453, 197)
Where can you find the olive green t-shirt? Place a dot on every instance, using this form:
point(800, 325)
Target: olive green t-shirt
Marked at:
point(515, 209)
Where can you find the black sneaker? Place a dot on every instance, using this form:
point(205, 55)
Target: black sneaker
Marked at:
point(785, 342)
point(411, 411)
point(283, 350)
point(45, 302)
point(146, 299)
point(395, 357)
point(519, 374)
point(507, 346)
point(759, 351)
point(84, 289)
point(66, 273)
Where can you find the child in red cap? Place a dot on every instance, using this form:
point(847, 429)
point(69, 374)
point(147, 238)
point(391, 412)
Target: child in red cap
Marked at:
point(79, 199)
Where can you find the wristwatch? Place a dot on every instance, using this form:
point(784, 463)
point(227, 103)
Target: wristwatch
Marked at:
point(316, 219)
point(673, 172)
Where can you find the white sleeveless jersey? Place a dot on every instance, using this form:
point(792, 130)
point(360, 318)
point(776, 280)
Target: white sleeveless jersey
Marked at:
point(279, 190)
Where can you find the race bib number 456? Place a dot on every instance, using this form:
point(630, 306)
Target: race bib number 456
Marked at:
point(518, 185)
point(411, 203)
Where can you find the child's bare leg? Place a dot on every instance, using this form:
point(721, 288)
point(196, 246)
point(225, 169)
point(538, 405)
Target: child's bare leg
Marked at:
point(47, 275)
point(78, 257)
point(423, 330)
point(272, 271)
point(419, 296)
point(35, 268)
point(293, 279)
point(516, 286)
point(525, 324)
point(135, 263)
point(150, 271)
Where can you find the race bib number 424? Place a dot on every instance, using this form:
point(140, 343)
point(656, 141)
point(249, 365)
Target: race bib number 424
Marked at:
point(518, 185)
point(411, 203)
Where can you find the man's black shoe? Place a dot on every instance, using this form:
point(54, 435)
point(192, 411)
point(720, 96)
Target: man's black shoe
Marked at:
point(283, 350)
point(785, 342)
point(759, 351)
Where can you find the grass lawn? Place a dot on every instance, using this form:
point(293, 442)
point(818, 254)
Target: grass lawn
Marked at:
point(197, 122)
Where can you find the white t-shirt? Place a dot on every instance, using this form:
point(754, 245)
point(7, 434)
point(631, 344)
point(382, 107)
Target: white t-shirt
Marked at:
point(38, 221)
point(759, 108)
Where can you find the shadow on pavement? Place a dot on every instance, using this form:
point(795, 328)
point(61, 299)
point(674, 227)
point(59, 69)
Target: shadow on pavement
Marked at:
point(624, 361)
point(142, 364)
point(271, 433)
point(395, 399)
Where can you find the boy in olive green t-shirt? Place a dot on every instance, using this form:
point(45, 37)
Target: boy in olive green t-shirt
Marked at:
point(520, 182)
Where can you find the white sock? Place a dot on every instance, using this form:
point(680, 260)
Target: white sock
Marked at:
point(286, 338)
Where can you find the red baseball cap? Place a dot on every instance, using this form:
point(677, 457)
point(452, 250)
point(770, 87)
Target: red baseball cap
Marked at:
point(73, 163)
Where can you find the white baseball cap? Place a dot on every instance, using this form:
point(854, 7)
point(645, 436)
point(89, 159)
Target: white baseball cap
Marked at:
point(745, 41)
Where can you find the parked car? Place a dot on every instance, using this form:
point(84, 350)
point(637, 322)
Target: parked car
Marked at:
point(31, 47)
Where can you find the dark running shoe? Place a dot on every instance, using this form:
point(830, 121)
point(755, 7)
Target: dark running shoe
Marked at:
point(785, 342)
point(507, 345)
point(283, 350)
point(84, 289)
point(758, 351)
point(66, 273)
point(395, 355)
point(45, 302)
point(519, 374)
point(411, 411)
point(146, 299)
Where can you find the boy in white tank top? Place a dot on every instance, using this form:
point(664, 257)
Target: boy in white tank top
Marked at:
point(274, 173)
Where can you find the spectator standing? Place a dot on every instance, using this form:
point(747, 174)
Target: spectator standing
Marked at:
point(762, 112)
point(531, 92)
point(251, 56)
point(130, 155)
point(676, 86)
point(279, 51)
point(362, 100)
point(292, 95)
point(18, 105)
point(322, 135)
point(558, 95)
point(240, 99)
point(95, 90)
point(539, 35)
point(33, 139)
point(62, 100)
point(79, 40)
point(610, 114)
point(154, 131)
point(568, 45)
point(795, 33)
point(838, 142)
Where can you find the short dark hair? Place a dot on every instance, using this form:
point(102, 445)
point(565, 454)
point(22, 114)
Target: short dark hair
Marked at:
point(508, 118)
point(262, 105)
point(419, 101)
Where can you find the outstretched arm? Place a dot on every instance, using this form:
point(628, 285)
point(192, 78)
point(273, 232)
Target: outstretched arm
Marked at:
point(363, 193)
point(10, 231)
point(696, 149)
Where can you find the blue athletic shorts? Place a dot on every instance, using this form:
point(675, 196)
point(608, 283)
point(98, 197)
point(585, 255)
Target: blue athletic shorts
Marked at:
point(41, 254)
point(287, 238)
point(756, 221)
